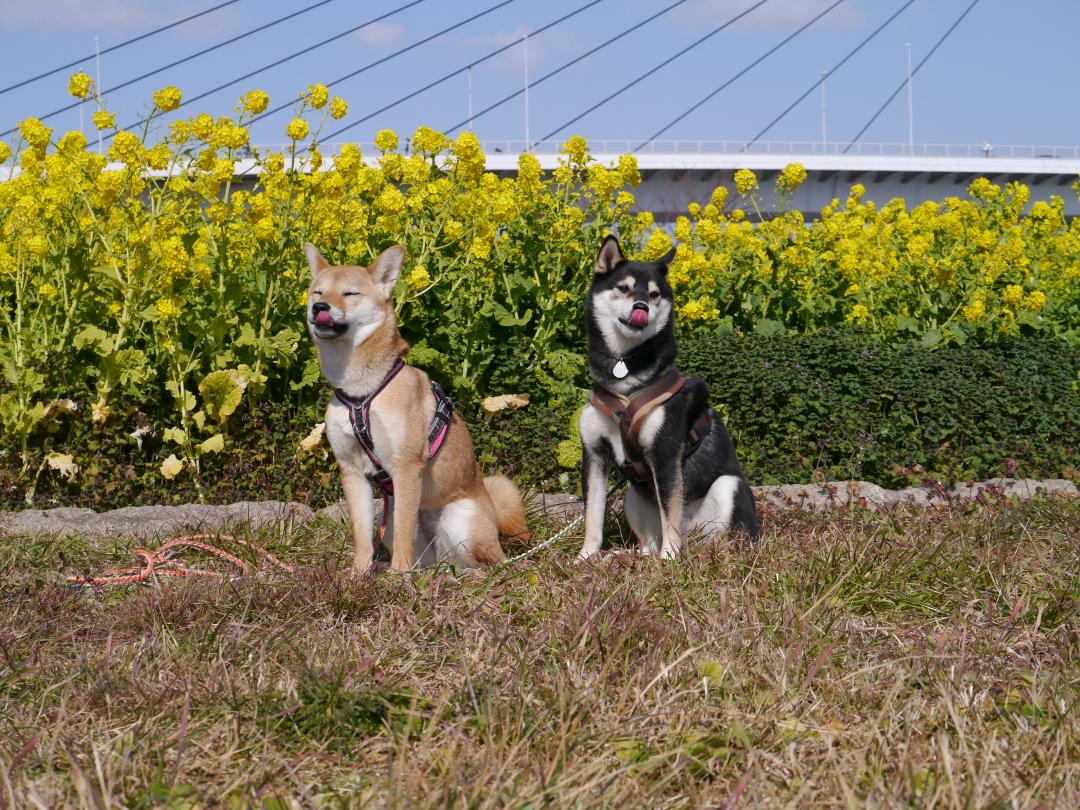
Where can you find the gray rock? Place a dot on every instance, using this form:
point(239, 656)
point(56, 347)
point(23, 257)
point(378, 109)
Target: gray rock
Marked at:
point(339, 512)
point(160, 521)
point(155, 521)
point(557, 506)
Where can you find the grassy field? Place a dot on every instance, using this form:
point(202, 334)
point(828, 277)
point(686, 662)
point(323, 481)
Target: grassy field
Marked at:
point(913, 659)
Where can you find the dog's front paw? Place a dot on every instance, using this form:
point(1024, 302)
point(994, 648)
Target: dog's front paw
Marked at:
point(588, 554)
point(354, 572)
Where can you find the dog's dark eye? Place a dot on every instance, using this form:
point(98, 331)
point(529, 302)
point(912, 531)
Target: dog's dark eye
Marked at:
point(654, 295)
point(316, 292)
point(347, 294)
point(625, 289)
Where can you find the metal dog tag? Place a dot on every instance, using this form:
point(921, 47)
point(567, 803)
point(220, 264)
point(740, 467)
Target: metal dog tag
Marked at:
point(620, 370)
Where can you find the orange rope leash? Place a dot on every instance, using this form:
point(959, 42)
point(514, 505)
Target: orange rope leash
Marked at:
point(160, 562)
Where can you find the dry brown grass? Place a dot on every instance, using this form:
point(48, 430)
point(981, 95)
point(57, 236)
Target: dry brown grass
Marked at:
point(911, 659)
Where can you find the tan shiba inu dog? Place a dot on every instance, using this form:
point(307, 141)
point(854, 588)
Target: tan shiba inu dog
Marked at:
point(441, 507)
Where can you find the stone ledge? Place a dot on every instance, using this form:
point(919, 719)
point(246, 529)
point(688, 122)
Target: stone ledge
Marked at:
point(144, 522)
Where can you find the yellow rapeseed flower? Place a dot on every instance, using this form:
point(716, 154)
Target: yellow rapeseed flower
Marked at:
point(5, 152)
point(297, 129)
point(126, 148)
point(48, 292)
point(419, 278)
point(428, 141)
point(79, 85)
point(628, 170)
point(745, 181)
point(255, 101)
point(1013, 295)
point(317, 95)
point(167, 308)
point(576, 148)
point(791, 177)
point(202, 126)
point(386, 140)
point(37, 245)
point(103, 119)
point(72, 142)
point(1035, 300)
point(168, 98)
point(976, 310)
point(859, 314)
point(35, 133)
point(339, 108)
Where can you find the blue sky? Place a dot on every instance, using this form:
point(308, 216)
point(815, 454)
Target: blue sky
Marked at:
point(1006, 75)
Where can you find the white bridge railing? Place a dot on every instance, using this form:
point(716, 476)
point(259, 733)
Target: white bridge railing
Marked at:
point(614, 146)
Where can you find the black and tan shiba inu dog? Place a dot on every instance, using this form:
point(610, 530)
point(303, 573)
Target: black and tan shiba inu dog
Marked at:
point(392, 427)
point(652, 421)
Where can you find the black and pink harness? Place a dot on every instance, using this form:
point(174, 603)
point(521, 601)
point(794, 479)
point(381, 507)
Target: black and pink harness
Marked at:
point(358, 418)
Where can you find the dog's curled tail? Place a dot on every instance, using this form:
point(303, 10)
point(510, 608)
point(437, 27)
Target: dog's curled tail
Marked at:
point(509, 512)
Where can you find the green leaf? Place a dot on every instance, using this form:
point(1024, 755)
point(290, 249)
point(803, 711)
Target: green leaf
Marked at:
point(221, 392)
point(711, 671)
point(931, 338)
point(312, 372)
point(247, 336)
point(906, 323)
point(767, 327)
point(93, 336)
point(175, 435)
point(214, 444)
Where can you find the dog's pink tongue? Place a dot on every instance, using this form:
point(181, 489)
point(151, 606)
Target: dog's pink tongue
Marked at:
point(324, 319)
point(639, 317)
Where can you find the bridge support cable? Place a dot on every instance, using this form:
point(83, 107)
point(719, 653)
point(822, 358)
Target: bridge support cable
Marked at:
point(827, 74)
point(393, 55)
point(903, 84)
point(117, 47)
point(736, 77)
point(655, 69)
point(566, 65)
point(187, 58)
point(447, 76)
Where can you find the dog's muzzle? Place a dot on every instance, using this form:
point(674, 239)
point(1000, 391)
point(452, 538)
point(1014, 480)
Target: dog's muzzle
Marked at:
point(324, 322)
point(639, 315)
point(323, 318)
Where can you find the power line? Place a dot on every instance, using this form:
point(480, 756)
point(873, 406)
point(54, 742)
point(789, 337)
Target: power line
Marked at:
point(925, 59)
point(827, 74)
point(655, 69)
point(388, 57)
point(738, 75)
point(283, 59)
point(187, 58)
point(563, 67)
point(118, 46)
point(459, 71)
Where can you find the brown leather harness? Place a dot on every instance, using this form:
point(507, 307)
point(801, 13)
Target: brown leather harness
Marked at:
point(630, 413)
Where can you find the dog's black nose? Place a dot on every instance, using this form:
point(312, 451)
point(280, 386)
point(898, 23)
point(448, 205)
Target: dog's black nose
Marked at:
point(320, 306)
point(640, 305)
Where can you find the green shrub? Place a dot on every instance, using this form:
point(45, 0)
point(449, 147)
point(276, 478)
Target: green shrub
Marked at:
point(854, 408)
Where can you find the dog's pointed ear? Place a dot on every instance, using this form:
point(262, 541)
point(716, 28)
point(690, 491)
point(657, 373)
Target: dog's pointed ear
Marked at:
point(610, 255)
point(315, 259)
point(387, 268)
point(666, 260)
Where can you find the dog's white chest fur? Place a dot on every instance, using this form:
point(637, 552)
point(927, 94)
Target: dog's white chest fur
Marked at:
point(595, 427)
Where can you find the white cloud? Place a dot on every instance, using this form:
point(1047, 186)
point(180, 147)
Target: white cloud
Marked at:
point(775, 14)
point(380, 34)
point(94, 14)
